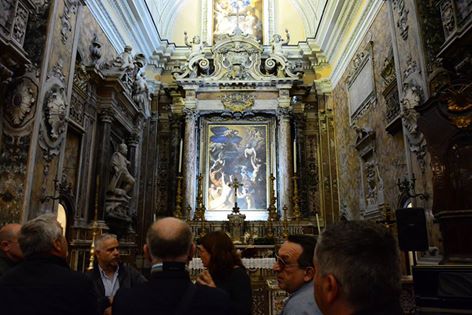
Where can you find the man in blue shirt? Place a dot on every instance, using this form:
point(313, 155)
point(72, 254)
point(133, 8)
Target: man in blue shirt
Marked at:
point(295, 272)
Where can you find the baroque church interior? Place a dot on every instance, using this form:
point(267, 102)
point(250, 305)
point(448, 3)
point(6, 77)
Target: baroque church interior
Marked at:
point(261, 118)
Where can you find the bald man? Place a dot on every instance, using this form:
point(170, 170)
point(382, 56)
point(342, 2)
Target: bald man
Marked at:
point(169, 247)
point(10, 251)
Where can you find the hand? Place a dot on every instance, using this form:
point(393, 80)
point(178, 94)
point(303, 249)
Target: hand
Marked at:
point(205, 279)
point(107, 311)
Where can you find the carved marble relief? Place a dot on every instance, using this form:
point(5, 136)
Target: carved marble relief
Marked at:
point(6, 16)
point(13, 20)
point(55, 112)
point(95, 50)
point(127, 68)
point(13, 161)
point(371, 197)
point(77, 109)
point(70, 9)
point(374, 188)
point(448, 17)
point(21, 22)
point(432, 26)
point(19, 107)
point(140, 94)
point(236, 57)
point(412, 97)
point(411, 68)
point(360, 84)
point(402, 22)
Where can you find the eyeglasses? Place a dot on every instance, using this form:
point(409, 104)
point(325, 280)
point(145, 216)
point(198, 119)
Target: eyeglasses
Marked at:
point(283, 264)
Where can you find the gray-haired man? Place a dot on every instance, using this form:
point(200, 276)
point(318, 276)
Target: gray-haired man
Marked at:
point(357, 270)
point(43, 282)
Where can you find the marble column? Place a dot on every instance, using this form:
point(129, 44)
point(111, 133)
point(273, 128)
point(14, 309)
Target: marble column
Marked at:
point(285, 162)
point(189, 160)
point(134, 152)
point(176, 136)
point(105, 119)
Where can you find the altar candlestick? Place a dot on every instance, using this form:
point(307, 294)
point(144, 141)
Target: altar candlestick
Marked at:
point(295, 156)
point(180, 155)
point(318, 223)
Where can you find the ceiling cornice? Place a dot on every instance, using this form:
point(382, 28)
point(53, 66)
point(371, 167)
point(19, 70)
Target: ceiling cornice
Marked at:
point(340, 44)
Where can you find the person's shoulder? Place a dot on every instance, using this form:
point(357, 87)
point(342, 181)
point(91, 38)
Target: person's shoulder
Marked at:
point(211, 293)
point(239, 272)
point(134, 274)
point(215, 300)
point(302, 303)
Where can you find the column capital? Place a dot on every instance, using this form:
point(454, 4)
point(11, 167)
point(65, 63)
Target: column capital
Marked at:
point(284, 114)
point(190, 115)
point(106, 115)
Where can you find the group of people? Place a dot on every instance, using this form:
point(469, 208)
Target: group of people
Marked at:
point(353, 268)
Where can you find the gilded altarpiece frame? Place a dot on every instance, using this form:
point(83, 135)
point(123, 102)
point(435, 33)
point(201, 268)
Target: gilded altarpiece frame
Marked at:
point(237, 149)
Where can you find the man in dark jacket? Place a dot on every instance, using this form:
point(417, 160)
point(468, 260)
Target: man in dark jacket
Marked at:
point(109, 274)
point(43, 283)
point(169, 247)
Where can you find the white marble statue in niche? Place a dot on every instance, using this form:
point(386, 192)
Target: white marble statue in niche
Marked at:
point(122, 181)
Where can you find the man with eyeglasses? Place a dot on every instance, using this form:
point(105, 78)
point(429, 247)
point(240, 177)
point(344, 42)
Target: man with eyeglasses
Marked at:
point(10, 251)
point(295, 272)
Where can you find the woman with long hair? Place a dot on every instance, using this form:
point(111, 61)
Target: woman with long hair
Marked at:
point(225, 270)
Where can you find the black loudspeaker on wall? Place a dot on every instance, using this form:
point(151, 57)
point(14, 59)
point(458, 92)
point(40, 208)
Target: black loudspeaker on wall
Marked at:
point(411, 225)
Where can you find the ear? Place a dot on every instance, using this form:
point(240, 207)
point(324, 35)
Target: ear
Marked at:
point(147, 253)
point(309, 274)
point(58, 247)
point(4, 245)
point(191, 252)
point(331, 288)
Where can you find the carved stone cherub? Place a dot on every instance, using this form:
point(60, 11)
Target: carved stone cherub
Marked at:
point(277, 43)
point(196, 44)
point(125, 60)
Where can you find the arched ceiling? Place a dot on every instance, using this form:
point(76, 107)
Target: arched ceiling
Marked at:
point(329, 30)
point(166, 14)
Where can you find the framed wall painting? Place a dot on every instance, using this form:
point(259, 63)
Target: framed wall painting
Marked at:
point(236, 150)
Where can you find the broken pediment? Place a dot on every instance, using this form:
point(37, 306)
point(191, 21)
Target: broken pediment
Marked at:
point(236, 57)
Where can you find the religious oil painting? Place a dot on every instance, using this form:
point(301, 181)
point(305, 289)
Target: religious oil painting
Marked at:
point(247, 14)
point(237, 152)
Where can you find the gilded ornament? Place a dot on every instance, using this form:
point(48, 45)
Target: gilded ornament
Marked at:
point(462, 122)
point(238, 102)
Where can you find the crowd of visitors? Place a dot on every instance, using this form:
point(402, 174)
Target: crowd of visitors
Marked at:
point(343, 272)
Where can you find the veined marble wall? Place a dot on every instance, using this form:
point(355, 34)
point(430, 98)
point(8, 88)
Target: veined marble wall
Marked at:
point(388, 150)
point(87, 35)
